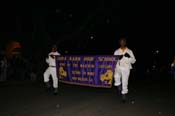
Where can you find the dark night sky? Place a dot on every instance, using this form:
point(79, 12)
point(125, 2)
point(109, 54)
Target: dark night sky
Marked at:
point(71, 24)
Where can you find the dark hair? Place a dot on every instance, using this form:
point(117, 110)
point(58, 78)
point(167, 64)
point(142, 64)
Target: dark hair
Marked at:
point(123, 39)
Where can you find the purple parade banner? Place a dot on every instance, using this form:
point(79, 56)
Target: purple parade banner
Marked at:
point(93, 71)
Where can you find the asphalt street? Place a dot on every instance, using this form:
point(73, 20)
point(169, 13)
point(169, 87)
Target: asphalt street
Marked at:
point(146, 98)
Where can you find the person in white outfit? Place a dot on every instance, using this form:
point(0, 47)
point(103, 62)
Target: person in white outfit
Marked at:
point(123, 66)
point(51, 70)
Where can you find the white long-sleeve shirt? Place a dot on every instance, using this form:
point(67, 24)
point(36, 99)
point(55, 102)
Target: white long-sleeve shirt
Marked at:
point(125, 61)
point(51, 61)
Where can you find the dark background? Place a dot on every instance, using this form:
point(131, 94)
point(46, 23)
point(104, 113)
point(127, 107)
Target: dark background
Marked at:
point(90, 27)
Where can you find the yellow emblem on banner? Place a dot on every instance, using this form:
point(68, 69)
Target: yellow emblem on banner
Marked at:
point(107, 77)
point(62, 72)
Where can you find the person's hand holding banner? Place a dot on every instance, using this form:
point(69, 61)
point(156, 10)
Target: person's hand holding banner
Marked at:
point(127, 55)
point(52, 56)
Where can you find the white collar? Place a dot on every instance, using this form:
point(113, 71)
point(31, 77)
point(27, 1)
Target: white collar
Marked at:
point(124, 50)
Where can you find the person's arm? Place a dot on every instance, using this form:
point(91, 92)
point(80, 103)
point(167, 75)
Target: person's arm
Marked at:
point(132, 58)
point(54, 55)
point(115, 53)
point(57, 54)
point(47, 60)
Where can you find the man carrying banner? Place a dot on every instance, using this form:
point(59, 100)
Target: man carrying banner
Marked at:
point(51, 70)
point(123, 66)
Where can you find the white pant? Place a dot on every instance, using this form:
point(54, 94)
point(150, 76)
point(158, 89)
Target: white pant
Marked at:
point(51, 71)
point(121, 76)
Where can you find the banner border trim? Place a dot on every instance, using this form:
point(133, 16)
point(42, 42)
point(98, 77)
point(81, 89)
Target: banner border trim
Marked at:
point(88, 85)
